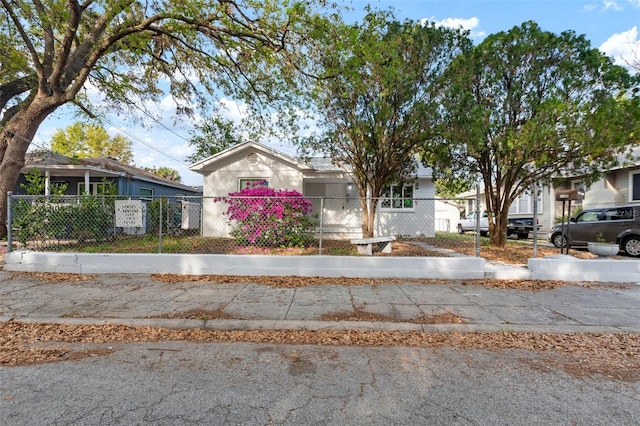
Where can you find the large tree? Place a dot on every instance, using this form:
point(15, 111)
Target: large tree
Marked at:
point(83, 140)
point(527, 105)
point(130, 50)
point(214, 134)
point(378, 100)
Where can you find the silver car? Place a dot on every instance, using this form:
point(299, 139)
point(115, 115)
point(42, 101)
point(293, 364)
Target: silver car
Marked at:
point(619, 224)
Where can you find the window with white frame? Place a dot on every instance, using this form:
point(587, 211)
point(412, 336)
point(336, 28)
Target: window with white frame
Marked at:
point(398, 197)
point(634, 185)
point(252, 183)
point(95, 188)
point(146, 193)
point(524, 204)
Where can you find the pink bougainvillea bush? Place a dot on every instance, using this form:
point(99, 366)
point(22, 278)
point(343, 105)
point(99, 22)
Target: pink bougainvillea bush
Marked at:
point(266, 217)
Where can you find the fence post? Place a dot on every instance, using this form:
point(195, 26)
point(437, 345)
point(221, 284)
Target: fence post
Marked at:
point(478, 220)
point(9, 223)
point(160, 225)
point(321, 226)
point(535, 220)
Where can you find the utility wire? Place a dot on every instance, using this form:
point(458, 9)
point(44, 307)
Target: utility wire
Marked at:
point(155, 120)
point(140, 140)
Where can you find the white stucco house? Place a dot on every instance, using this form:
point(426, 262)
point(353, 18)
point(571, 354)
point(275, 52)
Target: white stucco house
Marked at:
point(408, 208)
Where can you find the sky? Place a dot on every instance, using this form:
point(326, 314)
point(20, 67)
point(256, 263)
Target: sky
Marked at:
point(610, 25)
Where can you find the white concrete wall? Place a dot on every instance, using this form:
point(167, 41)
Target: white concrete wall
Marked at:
point(568, 268)
point(192, 264)
point(561, 267)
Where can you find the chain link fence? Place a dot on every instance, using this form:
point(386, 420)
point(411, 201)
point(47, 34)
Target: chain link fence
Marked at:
point(233, 225)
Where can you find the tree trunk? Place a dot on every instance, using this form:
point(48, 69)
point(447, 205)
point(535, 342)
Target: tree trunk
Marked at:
point(15, 139)
point(498, 211)
point(498, 232)
point(368, 217)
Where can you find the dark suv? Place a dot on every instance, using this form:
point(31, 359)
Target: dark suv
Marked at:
point(619, 224)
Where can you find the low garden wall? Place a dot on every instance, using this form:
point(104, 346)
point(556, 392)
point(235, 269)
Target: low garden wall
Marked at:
point(251, 265)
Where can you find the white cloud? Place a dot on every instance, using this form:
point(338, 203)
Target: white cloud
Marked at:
point(233, 110)
point(623, 47)
point(611, 4)
point(469, 24)
point(619, 5)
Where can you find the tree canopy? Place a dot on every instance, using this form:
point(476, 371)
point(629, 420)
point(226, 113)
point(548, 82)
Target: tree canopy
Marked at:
point(213, 135)
point(84, 140)
point(135, 51)
point(377, 101)
point(165, 172)
point(527, 105)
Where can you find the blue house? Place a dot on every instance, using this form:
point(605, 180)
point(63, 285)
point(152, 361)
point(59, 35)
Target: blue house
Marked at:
point(88, 176)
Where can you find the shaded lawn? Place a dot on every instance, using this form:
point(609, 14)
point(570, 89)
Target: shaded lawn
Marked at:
point(440, 246)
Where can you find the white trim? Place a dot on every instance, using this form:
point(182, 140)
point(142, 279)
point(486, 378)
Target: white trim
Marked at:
point(199, 166)
point(93, 188)
point(529, 209)
point(146, 197)
point(250, 179)
point(391, 199)
point(632, 173)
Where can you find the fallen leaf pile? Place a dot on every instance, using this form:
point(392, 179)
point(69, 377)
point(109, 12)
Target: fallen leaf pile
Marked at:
point(614, 356)
point(297, 282)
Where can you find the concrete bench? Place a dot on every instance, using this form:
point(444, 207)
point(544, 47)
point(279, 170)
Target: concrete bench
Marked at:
point(365, 245)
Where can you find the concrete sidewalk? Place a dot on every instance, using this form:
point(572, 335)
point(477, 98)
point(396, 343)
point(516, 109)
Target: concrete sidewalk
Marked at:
point(138, 299)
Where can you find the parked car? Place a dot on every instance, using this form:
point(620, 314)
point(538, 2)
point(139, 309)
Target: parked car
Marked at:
point(617, 224)
point(520, 226)
point(469, 223)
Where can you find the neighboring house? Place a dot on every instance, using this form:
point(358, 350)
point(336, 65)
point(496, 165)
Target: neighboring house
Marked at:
point(82, 173)
point(89, 176)
point(408, 211)
point(447, 215)
point(619, 186)
point(522, 207)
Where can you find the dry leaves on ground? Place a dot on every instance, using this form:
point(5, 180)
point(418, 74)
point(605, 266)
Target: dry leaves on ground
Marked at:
point(614, 356)
point(298, 282)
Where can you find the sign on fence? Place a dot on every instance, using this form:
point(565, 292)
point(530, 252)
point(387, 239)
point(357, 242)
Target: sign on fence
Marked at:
point(129, 213)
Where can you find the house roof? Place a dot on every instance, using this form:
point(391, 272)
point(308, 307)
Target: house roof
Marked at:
point(315, 164)
point(63, 166)
point(202, 165)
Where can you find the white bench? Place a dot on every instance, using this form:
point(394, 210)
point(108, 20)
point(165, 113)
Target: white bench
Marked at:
point(365, 245)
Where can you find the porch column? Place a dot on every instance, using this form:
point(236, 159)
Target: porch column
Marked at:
point(87, 188)
point(47, 182)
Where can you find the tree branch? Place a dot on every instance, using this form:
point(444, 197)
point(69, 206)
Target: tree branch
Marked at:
point(15, 88)
point(25, 37)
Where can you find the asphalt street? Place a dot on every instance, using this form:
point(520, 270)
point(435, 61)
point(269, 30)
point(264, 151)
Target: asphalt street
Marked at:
point(173, 383)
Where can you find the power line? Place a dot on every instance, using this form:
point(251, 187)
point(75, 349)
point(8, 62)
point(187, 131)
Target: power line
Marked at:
point(137, 139)
point(155, 120)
